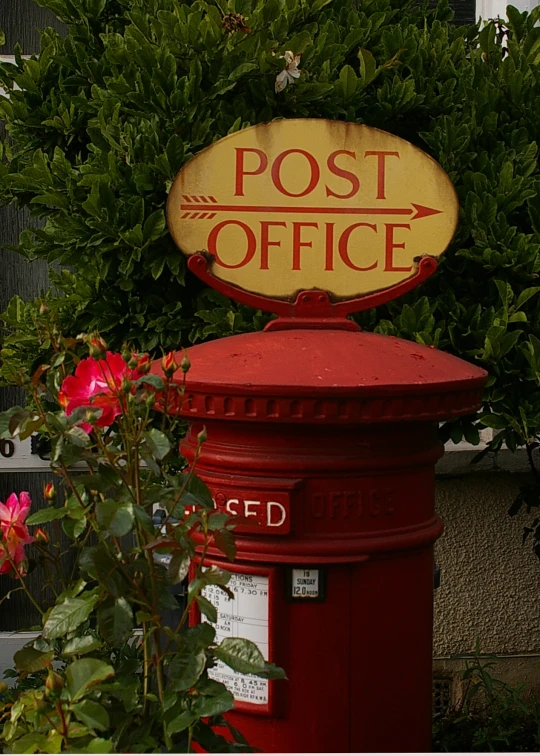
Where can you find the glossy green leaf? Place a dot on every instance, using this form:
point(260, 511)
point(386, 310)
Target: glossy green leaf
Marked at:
point(244, 656)
point(181, 722)
point(154, 226)
point(240, 654)
point(83, 674)
point(368, 66)
point(208, 609)
point(242, 70)
point(115, 518)
point(99, 745)
point(186, 668)
point(30, 660)
point(199, 636)
point(211, 706)
point(225, 542)
point(115, 621)
point(68, 616)
point(348, 81)
point(178, 567)
point(158, 443)
point(46, 515)
point(525, 295)
point(493, 421)
point(31, 742)
point(92, 714)
point(80, 645)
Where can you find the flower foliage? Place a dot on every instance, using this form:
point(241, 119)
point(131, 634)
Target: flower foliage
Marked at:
point(114, 672)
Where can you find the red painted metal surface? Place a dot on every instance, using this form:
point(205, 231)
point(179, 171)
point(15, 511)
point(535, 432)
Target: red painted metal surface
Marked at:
point(326, 376)
point(339, 429)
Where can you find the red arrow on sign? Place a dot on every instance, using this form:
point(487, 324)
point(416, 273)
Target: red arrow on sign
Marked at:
point(420, 211)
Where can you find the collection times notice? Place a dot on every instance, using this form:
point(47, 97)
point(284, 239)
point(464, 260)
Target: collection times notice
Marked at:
point(245, 616)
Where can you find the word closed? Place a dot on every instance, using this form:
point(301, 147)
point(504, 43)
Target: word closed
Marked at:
point(260, 512)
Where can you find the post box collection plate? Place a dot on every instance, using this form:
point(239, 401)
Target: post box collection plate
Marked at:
point(247, 616)
point(251, 614)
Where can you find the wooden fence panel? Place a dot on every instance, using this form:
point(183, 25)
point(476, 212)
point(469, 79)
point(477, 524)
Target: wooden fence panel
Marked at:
point(20, 20)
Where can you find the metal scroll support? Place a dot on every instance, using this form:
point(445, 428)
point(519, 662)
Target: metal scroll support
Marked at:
point(313, 308)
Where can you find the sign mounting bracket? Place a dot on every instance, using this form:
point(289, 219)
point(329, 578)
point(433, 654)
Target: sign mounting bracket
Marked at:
point(311, 308)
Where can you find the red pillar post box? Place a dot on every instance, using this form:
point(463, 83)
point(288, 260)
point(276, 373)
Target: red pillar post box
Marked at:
point(321, 437)
point(327, 441)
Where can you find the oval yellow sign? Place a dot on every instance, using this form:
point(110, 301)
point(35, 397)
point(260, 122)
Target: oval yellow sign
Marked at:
point(305, 204)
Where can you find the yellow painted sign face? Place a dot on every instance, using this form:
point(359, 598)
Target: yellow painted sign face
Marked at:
point(313, 204)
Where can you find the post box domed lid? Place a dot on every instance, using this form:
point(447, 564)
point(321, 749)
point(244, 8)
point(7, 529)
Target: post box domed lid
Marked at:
point(318, 375)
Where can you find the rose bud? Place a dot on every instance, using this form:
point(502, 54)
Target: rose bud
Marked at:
point(126, 385)
point(202, 436)
point(126, 353)
point(49, 491)
point(40, 536)
point(54, 681)
point(185, 364)
point(133, 361)
point(90, 416)
point(169, 364)
point(144, 363)
point(97, 348)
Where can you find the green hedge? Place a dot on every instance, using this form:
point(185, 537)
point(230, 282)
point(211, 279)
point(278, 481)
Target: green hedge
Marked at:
point(104, 119)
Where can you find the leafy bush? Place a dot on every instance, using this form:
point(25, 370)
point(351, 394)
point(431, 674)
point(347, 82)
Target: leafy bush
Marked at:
point(491, 715)
point(104, 119)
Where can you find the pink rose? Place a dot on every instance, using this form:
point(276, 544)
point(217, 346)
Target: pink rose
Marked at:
point(97, 383)
point(15, 535)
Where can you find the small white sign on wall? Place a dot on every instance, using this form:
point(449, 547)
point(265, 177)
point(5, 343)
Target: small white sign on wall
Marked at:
point(487, 9)
point(9, 59)
point(16, 456)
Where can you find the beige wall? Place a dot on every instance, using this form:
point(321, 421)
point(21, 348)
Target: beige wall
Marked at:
point(490, 583)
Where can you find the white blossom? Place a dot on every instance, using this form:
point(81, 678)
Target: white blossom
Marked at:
point(289, 73)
